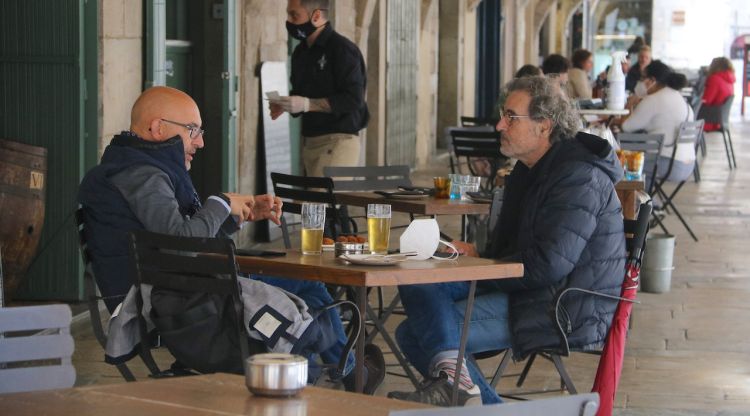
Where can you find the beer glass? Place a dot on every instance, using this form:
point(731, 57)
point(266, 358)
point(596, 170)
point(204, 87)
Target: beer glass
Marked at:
point(378, 227)
point(313, 222)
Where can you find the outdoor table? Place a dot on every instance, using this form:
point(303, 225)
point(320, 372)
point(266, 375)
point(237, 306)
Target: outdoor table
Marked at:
point(210, 394)
point(326, 268)
point(610, 114)
point(420, 206)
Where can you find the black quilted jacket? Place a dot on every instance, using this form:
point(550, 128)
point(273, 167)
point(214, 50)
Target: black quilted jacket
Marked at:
point(563, 220)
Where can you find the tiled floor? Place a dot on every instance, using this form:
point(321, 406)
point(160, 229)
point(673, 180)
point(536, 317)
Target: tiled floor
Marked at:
point(688, 352)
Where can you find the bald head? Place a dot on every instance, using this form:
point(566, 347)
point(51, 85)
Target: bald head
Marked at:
point(161, 113)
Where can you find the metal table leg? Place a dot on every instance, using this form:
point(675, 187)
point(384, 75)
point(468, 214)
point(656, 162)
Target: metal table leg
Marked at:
point(359, 355)
point(464, 338)
point(393, 346)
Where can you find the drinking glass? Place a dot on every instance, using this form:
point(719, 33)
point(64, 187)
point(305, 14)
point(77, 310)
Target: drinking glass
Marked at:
point(378, 227)
point(456, 182)
point(470, 184)
point(634, 168)
point(313, 222)
point(442, 187)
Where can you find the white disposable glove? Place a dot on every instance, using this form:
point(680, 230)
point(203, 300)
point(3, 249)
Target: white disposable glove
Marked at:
point(294, 104)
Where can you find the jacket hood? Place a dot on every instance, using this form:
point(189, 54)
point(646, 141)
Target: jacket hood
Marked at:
point(727, 76)
point(591, 149)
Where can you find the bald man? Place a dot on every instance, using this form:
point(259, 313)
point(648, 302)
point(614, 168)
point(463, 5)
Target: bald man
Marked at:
point(142, 183)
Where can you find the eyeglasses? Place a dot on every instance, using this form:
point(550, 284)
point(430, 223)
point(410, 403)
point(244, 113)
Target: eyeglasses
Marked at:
point(511, 116)
point(194, 130)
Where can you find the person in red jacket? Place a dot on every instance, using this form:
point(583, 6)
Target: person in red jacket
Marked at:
point(719, 85)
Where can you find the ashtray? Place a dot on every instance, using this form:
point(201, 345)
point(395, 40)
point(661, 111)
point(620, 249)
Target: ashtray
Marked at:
point(341, 248)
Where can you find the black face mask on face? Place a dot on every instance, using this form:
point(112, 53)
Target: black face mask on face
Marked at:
point(301, 32)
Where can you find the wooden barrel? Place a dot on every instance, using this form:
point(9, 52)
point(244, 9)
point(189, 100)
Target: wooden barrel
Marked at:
point(23, 172)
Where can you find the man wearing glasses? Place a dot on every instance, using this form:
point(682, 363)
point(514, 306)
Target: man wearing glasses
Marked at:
point(561, 218)
point(142, 183)
point(328, 88)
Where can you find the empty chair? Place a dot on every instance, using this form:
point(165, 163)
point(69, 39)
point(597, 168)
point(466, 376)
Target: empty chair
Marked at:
point(36, 342)
point(368, 178)
point(471, 147)
point(294, 190)
point(467, 121)
point(719, 115)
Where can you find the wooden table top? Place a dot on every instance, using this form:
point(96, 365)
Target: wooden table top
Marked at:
point(213, 394)
point(328, 269)
point(421, 206)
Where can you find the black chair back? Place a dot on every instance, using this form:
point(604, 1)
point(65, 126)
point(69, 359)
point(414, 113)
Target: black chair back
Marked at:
point(294, 190)
point(467, 121)
point(477, 144)
point(716, 114)
point(368, 178)
point(188, 264)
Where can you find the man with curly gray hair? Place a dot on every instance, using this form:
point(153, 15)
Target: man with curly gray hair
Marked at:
point(562, 219)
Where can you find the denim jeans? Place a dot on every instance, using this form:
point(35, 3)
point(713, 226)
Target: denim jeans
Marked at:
point(435, 314)
point(316, 296)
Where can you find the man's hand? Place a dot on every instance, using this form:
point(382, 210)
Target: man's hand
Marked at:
point(465, 249)
point(293, 104)
point(241, 206)
point(276, 110)
point(266, 207)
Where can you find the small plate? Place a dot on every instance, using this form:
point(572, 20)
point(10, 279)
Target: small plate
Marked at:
point(403, 194)
point(480, 197)
point(373, 259)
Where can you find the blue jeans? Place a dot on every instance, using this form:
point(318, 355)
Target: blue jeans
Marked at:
point(435, 314)
point(316, 296)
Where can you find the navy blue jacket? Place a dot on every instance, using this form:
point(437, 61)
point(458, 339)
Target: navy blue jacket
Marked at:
point(107, 215)
point(563, 220)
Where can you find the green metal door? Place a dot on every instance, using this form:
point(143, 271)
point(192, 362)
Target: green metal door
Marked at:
point(43, 90)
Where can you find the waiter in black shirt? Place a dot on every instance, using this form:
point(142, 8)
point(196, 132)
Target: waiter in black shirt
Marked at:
point(328, 88)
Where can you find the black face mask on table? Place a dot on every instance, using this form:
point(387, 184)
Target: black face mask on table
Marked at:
point(301, 32)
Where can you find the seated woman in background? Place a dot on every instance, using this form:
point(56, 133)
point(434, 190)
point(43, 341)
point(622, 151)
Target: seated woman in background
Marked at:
point(579, 85)
point(719, 85)
point(661, 112)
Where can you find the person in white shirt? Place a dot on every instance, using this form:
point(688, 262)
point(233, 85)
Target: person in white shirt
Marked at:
point(579, 85)
point(661, 112)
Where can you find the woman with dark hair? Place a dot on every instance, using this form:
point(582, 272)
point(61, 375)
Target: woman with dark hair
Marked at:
point(661, 112)
point(579, 85)
point(556, 67)
point(719, 85)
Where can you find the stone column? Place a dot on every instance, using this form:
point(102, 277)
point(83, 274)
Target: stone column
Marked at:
point(450, 65)
point(121, 64)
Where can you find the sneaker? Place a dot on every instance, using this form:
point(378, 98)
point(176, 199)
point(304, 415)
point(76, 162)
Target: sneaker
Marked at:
point(437, 392)
point(374, 371)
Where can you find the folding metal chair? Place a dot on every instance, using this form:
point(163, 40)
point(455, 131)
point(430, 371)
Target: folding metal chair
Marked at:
point(719, 114)
point(635, 238)
point(471, 145)
point(294, 190)
point(689, 135)
point(189, 265)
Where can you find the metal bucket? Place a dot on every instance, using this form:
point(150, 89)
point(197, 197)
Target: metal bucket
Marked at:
point(656, 271)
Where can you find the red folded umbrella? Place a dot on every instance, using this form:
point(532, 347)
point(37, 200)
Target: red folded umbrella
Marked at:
point(610, 363)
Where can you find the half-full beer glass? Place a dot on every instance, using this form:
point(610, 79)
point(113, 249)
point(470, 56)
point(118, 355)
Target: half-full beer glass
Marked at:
point(378, 227)
point(313, 222)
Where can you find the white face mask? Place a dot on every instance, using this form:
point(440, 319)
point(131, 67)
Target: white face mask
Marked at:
point(423, 237)
point(640, 89)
